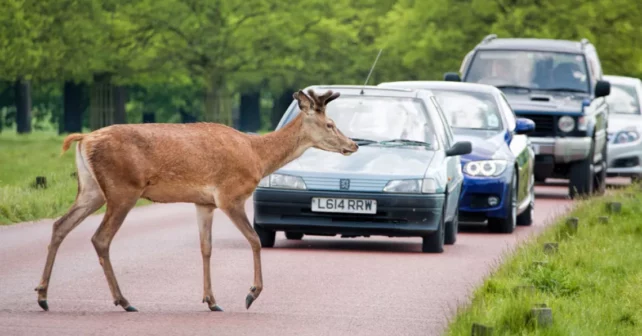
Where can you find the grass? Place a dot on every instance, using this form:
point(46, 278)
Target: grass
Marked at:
point(593, 284)
point(22, 158)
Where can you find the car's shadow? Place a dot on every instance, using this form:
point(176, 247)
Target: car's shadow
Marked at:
point(336, 244)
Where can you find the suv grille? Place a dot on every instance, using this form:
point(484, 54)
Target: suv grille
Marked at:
point(545, 125)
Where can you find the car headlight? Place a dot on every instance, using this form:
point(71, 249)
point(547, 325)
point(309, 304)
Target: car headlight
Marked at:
point(626, 136)
point(485, 168)
point(566, 124)
point(282, 181)
point(414, 186)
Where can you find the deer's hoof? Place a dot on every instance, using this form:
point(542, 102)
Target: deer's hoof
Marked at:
point(43, 304)
point(216, 308)
point(248, 300)
point(131, 309)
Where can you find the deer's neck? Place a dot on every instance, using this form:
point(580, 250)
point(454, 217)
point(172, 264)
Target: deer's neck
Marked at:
point(278, 148)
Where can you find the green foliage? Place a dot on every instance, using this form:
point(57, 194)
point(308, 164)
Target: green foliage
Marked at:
point(591, 284)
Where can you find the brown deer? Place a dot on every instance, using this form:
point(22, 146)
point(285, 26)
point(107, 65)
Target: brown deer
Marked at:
point(208, 164)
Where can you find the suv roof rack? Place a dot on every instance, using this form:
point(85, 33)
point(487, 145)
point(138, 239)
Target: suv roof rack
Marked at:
point(585, 42)
point(488, 38)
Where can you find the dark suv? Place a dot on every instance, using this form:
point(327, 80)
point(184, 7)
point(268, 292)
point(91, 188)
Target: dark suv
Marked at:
point(557, 84)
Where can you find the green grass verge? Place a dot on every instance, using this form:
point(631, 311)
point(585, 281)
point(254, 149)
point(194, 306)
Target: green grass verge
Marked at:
point(593, 284)
point(22, 158)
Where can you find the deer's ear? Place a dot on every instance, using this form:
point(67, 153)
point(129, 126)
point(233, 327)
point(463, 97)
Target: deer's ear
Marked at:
point(332, 97)
point(305, 103)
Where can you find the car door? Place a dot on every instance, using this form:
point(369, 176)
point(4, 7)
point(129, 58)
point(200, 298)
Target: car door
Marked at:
point(522, 151)
point(453, 163)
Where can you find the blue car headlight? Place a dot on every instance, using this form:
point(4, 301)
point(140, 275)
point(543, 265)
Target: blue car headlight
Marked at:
point(412, 186)
point(626, 137)
point(485, 168)
point(282, 181)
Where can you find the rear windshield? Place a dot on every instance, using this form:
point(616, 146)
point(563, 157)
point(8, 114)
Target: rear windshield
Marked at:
point(623, 99)
point(470, 110)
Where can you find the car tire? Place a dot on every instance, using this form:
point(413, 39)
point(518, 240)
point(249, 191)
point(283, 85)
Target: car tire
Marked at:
point(267, 237)
point(526, 217)
point(452, 228)
point(599, 179)
point(508, 223)
point(434, 243)
point(582, 176)
point(294, 235)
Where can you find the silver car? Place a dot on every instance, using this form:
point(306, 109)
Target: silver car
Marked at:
point(405, 180)
point(625, 127)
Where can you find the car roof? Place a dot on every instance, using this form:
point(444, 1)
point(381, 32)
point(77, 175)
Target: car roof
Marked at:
point(368, 90)
point(621, 79)
point(533, 44)
point(444, 85)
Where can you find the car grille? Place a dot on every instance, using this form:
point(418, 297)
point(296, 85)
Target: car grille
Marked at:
point(545, 125)
point(334, 184)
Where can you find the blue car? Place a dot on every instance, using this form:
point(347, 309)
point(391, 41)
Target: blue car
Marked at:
point(499, 181)
point(404, 181)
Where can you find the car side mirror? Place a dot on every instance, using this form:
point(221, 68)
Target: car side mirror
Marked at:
point(452, 77)
point(602, 88)
point(524, 126)
point(460, 148)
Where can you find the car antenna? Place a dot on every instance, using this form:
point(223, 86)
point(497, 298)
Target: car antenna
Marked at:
point(371, 69)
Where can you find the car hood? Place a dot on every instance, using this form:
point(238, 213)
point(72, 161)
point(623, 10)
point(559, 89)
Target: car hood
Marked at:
point(368, 161)
point(571, 104)
point(486, 144)
point(618, 122)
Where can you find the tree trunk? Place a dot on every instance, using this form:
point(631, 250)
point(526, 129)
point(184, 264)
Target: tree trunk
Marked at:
point(120, 99)
point(23, 106)
point(217, 105)
point(250, 111)
point(73, 107)
point(102, 102)
point(281, 104)
point(149, 117)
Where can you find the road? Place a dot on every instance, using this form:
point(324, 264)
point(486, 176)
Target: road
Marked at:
point(317, 286)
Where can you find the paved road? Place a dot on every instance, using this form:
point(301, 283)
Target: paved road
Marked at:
point(318, 286)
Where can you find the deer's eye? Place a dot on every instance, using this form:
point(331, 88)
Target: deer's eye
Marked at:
point(329, 125)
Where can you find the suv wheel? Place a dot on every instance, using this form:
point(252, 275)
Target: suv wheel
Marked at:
point(267, 237)
point(507, 224)
point(600, 178)
point(582, 176)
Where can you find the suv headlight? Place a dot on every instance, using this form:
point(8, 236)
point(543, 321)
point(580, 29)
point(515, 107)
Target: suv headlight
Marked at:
point(282, 181)
point(414, 186)
point(626, 136)
point(485, 168)
point(566, 124)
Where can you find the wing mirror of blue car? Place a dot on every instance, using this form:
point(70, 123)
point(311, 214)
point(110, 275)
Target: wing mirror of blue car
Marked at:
point(452, 77)
point(524, 126)
point(460, 148)
point(602, 88)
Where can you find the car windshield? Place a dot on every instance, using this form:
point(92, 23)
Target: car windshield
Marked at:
point(623, 99)
point(535, 70)
point(381, 119)
point(471, 110)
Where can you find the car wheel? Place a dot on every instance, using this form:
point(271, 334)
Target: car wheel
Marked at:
point(452, 228)
point(294, 235)
point(507, 224)
point(526, 217)
point(582, 175)
point(267, 237)
point(434, 243)
point(600, 178)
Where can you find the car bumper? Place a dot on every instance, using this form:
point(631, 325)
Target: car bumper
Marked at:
point(563, 150)
point(625, 159)
point(398, 215)
point(474, 201)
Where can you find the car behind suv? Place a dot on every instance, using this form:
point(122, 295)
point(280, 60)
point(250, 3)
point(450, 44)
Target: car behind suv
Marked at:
point(558, 84)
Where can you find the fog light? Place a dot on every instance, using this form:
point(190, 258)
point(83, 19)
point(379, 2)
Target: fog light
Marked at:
point(493, 201)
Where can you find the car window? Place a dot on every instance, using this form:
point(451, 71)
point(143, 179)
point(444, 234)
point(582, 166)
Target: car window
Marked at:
point(623, 99)
point(449, 137)
point(511, 119)
point(471, 110)
point(531, 69)
point(380, 118)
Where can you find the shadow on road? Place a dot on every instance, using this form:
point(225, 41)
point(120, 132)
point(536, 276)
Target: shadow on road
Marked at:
point(350, 245)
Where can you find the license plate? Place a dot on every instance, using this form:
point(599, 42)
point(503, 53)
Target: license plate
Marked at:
point(344, 205)
point(536, 149)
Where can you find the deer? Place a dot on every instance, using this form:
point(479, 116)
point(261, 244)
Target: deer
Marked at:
point(211, 165)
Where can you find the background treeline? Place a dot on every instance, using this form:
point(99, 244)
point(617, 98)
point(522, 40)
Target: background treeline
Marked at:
point(70, 65)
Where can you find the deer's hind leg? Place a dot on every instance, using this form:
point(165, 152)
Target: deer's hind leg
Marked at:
point(88, 200)
point(204, 217)
point(118, 206)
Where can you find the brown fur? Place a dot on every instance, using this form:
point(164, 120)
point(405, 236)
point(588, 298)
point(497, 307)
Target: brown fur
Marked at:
point(210, 165)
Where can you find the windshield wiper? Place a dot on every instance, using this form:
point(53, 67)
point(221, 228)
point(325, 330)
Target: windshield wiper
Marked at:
point(516, 87)
point(360, 141)
point(405, 142)
point(565, 89)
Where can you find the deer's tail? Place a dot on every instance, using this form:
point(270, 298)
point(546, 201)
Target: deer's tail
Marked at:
point(69, 139)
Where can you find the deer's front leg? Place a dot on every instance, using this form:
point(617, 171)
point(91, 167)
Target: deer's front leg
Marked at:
point(237, 214)
point(204, 217)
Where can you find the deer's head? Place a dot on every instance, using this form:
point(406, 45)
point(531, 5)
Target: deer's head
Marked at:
point(320, 129)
